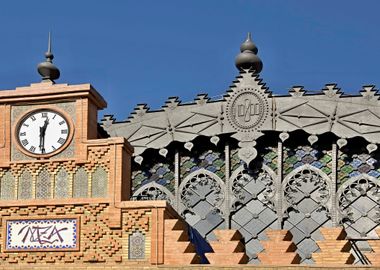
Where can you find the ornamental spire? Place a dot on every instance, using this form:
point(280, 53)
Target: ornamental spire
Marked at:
point(47, 69)
point(247, 58)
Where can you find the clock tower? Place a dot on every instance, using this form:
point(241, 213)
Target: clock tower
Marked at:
point(65, 184)
point(50, 134)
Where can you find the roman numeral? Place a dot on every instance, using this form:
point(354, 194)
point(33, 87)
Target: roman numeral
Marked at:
point(61, 140)
point(44, 115)
point(62, 122)
point(22, 133)
point(25, 125)
point(33, 118)
point(54, 116)
point(64, 131)
point(53, 147)
point(24, 142)
point(32, 149)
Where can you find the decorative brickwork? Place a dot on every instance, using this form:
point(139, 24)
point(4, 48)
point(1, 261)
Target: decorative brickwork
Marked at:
point(335, 250)
point(136, 219)
point(279, 249)
point(177, 248)
point(99, 241)
point(53, 179)
point(228, 248)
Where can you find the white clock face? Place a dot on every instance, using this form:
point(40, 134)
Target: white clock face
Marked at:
point(43, 132)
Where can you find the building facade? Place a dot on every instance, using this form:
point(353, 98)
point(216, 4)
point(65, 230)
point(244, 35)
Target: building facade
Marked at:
point(251, 178)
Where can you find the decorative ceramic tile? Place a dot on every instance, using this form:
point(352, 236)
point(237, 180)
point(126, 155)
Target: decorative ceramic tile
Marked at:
point(42, 234)
point(211, 160)
point(25, 186)
point(136, 246)
point(161, 173)
point(80, 186)
point(99, 183)
point(294, 158)
point(62, 184)
point(43, 185)
point(7, 186)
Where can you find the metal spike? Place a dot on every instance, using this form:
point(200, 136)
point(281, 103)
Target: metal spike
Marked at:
point(49, 43)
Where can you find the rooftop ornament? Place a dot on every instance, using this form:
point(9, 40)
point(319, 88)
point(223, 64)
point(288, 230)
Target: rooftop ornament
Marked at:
point(247, 58)
point(47, 69)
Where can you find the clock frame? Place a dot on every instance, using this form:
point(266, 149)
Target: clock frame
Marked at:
point(26, 114)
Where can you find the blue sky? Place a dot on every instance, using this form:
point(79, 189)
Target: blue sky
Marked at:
point(145, 51)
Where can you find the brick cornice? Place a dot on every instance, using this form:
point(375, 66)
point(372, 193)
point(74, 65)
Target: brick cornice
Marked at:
point(45, 92)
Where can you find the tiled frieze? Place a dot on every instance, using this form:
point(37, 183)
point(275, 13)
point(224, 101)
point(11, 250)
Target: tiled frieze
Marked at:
point(301, 155)
point(58, 179)
point(353, 165)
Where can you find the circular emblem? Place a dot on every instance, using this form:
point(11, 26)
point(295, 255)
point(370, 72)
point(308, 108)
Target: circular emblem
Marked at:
point(247, 109)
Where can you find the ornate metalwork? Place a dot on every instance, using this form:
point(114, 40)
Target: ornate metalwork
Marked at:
point(247, 109)
point(153, 191)
point(201, 201)
point(359, 206)
point(253, 209)
point(307, 205)
point(261, 181)
point(160, 171)
point(305, 199)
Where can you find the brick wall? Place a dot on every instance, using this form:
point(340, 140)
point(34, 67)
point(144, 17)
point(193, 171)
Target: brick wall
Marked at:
point(104, 234)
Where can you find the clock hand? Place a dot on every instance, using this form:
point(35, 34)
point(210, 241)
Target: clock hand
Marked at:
point(42, 135)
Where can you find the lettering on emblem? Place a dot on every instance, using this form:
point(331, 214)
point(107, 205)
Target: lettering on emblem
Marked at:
point(247, 109)
point(42, 234)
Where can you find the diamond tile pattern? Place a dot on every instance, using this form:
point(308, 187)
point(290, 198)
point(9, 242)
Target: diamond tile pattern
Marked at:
point(62, 184)
point(99, 184)
point(202, 197)
point(305, 194)
point(80, 185)
point(213, 161)
point(360, 201)
point(25, 185)
point(294, 158)
point(355, 165)
point(43, 185)
point(255, 213)
point(161, 172)
point(7, 186)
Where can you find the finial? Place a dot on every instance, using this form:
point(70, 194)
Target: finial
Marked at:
point(47, 69)
point(247, 58)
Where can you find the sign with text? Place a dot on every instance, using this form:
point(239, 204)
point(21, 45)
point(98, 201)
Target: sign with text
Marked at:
point(42, 234)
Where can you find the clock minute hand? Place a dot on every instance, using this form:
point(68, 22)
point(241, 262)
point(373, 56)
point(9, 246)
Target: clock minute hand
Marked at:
point(42, 135)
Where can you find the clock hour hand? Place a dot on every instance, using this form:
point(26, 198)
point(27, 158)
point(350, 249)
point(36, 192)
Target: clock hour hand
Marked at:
point(42, 135)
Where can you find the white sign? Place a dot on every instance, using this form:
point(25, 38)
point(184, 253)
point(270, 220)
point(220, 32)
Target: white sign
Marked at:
point(42, 234)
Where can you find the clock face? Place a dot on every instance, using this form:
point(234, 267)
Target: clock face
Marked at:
point(43, 132)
